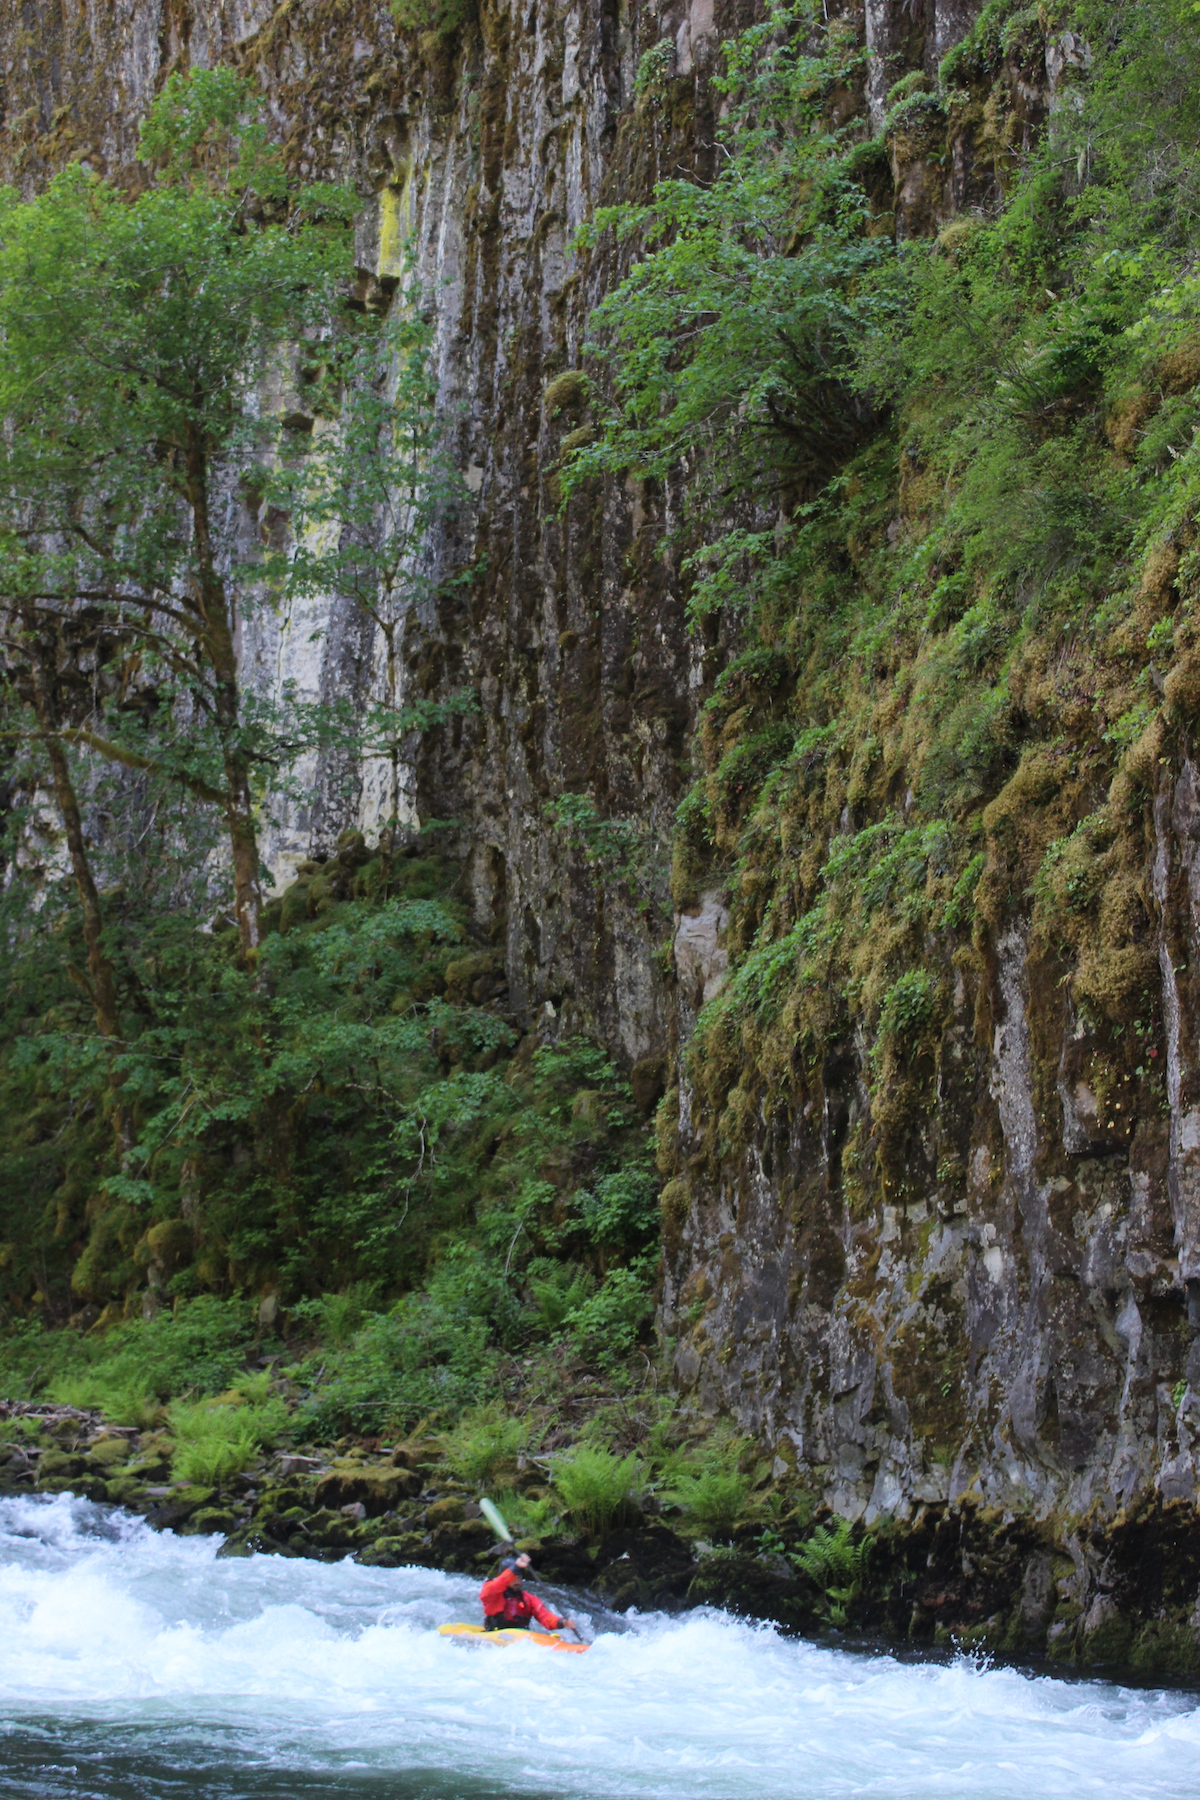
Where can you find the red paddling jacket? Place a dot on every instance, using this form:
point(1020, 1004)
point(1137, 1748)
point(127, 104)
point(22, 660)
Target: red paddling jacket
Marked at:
point(500, 1607)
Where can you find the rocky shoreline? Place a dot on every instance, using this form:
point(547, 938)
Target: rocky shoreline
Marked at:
point(1117, 1595)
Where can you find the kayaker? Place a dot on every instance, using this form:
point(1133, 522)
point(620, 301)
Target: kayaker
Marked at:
point(507, 1604)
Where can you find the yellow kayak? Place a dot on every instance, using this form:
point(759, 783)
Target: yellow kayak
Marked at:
point(509, 1635)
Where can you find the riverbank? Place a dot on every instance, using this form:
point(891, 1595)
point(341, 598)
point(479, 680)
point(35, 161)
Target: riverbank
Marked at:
point(1111, 1595)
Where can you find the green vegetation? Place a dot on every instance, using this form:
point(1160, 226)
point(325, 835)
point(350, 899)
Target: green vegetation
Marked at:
point(596, 1488)
point(216, 1438)
point(484, 1439)
point(302, 1131)
point(835, 1564)
point(941, 500)
point(715, 1498)
point(940, 508)
point(442, 18)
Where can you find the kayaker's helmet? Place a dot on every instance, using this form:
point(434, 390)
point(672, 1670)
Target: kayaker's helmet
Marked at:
point(510, 1562)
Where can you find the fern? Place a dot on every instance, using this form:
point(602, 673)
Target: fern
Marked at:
point(835, 1564)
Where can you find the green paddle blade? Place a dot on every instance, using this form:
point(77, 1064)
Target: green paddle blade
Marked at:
point(495, 1519)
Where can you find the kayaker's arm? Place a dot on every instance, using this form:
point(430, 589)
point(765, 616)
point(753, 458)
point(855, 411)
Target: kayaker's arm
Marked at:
point(542, 1613)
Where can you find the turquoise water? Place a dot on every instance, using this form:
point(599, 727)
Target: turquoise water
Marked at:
point(135, 1665)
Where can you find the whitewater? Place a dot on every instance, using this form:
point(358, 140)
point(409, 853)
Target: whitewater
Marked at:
point(136, 1665)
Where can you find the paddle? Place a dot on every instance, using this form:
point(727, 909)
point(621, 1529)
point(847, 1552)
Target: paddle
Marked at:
point(495, 1519)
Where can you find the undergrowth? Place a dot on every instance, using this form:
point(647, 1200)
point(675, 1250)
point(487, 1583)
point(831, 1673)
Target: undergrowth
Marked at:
point(359, 1131)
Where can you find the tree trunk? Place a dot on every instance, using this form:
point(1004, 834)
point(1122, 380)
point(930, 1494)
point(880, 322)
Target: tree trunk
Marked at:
point(102, 981)
point(388, 627)
point(217, 631)
point(101, 975)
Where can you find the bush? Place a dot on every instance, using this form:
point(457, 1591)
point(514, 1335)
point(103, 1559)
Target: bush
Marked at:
point(217, 1438)
point(484, 1438)
point(623, 1210)
point(714, 1498)
point(337, 1317)
point(202, 1345)
point(422, 1358)
point(558, 1289)
point(596, 1488)
point(608, 1324)
point(128, 1371)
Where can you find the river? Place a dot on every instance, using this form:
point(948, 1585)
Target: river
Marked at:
point(136, 1665)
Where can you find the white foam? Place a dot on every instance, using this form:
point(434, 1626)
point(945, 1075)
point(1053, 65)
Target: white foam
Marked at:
point(317, 1667)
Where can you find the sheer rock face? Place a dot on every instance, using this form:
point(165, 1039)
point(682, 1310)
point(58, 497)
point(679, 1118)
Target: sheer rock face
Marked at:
point(1017, 1336)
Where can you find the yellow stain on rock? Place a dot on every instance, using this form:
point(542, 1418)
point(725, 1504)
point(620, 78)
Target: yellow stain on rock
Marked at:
point(395, 217)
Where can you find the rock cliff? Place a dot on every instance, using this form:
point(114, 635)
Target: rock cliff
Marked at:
point(983, 1303)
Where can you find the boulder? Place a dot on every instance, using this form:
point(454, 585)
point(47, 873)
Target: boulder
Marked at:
point(329, 1529)
point(377, 1488)
point(562, 1559)
point(744, 1585)
point(124, 1490)
point(178, 1505)
point(59, 1465)
point(414, 1453)
point(107, 1452)
point(446, 1512)
point(208, 1521)
point(649, 1568)
point(393, 1552)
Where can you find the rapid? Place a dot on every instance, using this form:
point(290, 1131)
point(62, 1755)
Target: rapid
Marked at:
point(136, 1665)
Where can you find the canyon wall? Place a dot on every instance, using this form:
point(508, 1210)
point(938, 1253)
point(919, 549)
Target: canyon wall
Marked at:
point(1004, 1315)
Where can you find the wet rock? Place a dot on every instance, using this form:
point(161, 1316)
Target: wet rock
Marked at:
point(124, 1490)
point(249, 1542)
point(457, 1544)
point(741, 1584)
point(394, 1552)
point(327, 1529)
point(1106, 1633)
point(564, 1560)
point(1167, 1647)
point(175, 1508)
point(209, 1521)
point(648, 1568)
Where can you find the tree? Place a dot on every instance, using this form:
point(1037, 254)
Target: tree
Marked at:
point(729, 344)
point(138, 334)
point(38, 686)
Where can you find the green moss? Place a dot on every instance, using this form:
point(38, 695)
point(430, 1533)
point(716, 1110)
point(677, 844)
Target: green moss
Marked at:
point(568, 393)
point(1166, 1647)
